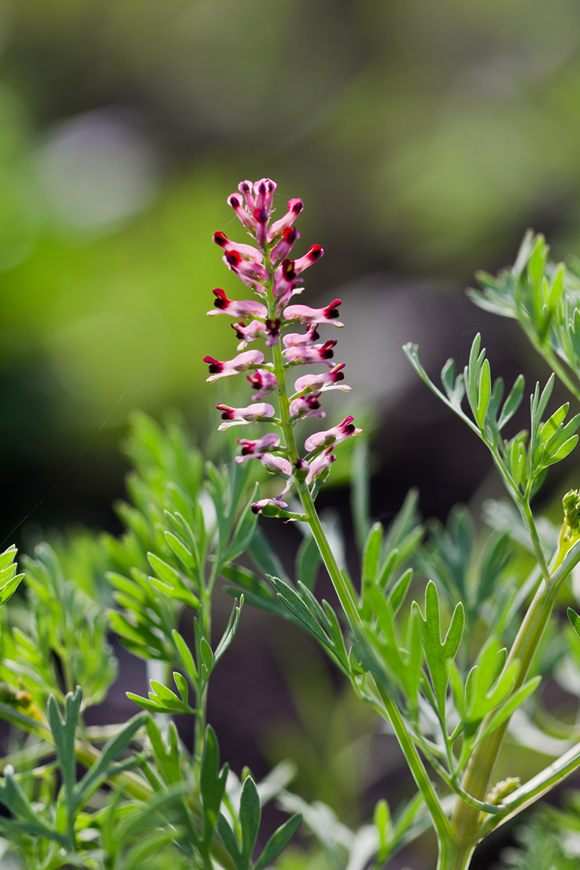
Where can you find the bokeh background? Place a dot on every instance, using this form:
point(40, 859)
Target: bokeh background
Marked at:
point(424, 138)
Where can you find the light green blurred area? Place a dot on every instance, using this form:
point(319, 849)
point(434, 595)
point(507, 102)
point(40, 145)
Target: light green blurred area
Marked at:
point(424, 138)
point(122, 317)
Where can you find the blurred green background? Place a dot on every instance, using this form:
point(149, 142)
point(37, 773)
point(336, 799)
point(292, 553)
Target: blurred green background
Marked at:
point(423, 137)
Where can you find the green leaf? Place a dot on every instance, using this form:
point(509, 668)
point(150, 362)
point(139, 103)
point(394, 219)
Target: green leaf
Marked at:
point(185, 655)
point(437, 652)
point(230, 630)
point(574, 620)
point(264, 557)
point(371, 553)
point(27, 820)
point(278, 842)
point(513, 402)
point(308, 561)
point(228, 839)
point(212, 782)
point(63, 731)
point(484, 390)
point(250, 814)
point(110, 752)
point(512, 703)
point(399, 591)
point(180, 550)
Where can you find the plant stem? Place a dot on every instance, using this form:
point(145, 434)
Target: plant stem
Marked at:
point(477, 780)
point(454, 856)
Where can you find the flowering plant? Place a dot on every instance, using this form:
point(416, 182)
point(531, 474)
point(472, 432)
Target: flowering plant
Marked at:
point(450, 715)
point(454, 675)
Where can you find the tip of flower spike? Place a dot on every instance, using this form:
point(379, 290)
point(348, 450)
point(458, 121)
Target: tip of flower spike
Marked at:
point(234, 201)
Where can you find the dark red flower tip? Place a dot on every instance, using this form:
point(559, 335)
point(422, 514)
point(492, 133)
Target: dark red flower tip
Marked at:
point(222, 300)
point(233, 258)
point(234, 201)
point(261, 215)
point(295, 205)
point(215, 366)
point(288, 270)
point(314, 253)
point(326, 351)
point(332, 309)
point(220, 239)
point(290, 235)
point(236, 327)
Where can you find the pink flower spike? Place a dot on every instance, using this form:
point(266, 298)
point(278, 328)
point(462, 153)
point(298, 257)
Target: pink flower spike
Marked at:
point(240, 363)
point(322, 382)
point(248, 333)
point(247, 251)
point(317, 466)
point(249, 272)
point(319, 353)
point(242, 416)
point(259, 506)
point(246, 188)
point(249, 308)
point(263, 381)
point(283, 248)
point(295, 206)
point(257, 447)
point(306, 406)
point(235, 202)
point(299, 339)
point(333, 436)
point(311, 256)
point(305, 314)
point(277, 464)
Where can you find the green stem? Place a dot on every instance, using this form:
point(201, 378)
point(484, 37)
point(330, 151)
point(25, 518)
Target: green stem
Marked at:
point(454, 856)
point(477, 780)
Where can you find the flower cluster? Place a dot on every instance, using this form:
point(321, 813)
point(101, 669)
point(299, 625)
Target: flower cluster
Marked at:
point(268, 269)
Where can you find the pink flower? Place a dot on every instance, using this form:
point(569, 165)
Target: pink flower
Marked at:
point(295, 206)
point(241, 416)
point(247, 219)
point(283, 248)
point(299, 339)
point(306, 406)
point(311, 256)
point(319, 463)
point(259, 506)
point(255, 448)
point(249, 308)
point(264, 381)
point(247, 251)
point(273, 329)
point(305, 314)
point(285, 283)
point(276, 463)
point(264, 193)
point(250, 273)
point(322, 382)
point(240, 363)
point(319, 353)
point(246, 188)
point(247, 333)
point(333, 436)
